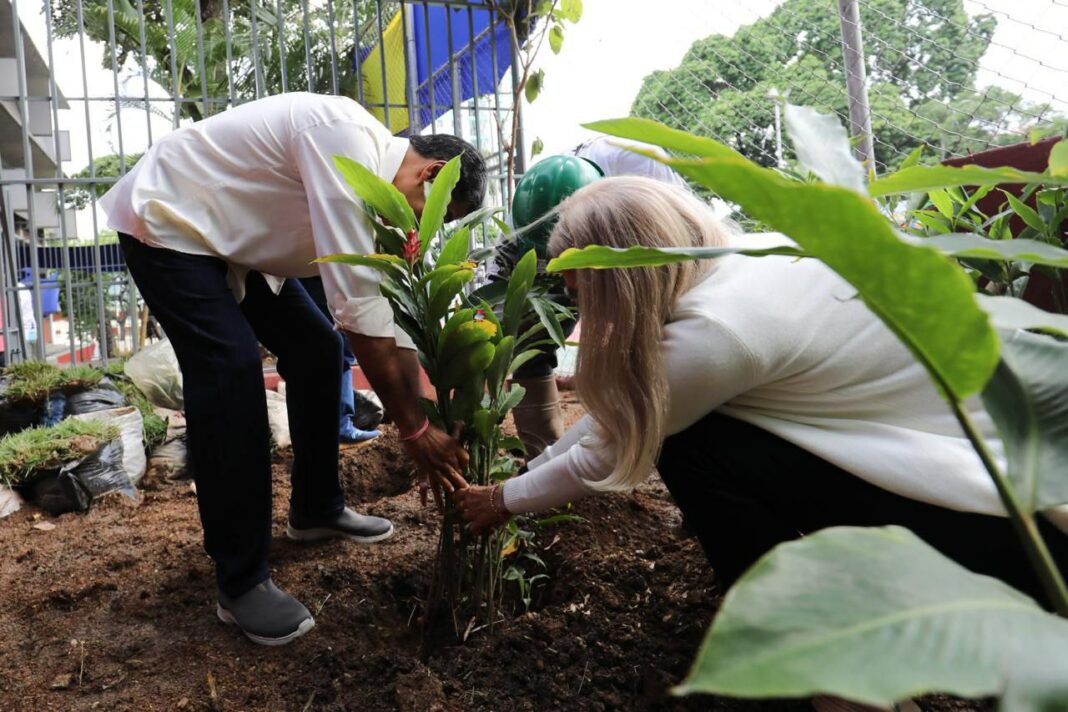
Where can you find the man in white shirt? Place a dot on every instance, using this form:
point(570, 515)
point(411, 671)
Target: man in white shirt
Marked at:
point(215, 221)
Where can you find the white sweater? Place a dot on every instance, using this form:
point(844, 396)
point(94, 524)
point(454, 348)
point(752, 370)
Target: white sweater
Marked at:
point(787, 345)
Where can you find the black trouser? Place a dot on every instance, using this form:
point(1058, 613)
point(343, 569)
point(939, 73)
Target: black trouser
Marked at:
point(744, 490)
point(215, 339)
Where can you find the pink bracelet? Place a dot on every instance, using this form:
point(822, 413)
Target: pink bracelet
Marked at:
point(418, 433)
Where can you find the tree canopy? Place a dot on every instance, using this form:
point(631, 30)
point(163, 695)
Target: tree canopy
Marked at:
point(922, 58)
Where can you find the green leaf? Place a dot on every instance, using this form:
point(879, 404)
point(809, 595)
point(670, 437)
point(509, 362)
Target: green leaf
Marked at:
point(556, 38)
point(913, 159)
point(523, 358)
point(931, 221)
point(1058, 160)
point(822, 147)
point(942, 202)
point(390, 264)
point(511, 399)
point(513, 443)
point(542, 8)
point(559, 519)
point(518, 287)
point(504, 227)
point(458, 319)
point(977, 195)
point(571, 10)
point(1013, 313)
point(927, 178)
point(968, 245)
point(498, 370)
point(548, 317)
point(648, 131)
point(442, 297)
point(455, 250)
point(477, 217)
point(923, 298)
point(437, 203)
point(874, 616)
point(438, 275)
point(380, 194)
point(389, 239)
point(467, 363)
point(535, 82)
point(601, 257)
point(537, 147)
point(1028, 400)
point(484, 422)
point(1026, 213)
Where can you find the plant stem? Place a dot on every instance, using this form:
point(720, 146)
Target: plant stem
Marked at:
point(1023, 521)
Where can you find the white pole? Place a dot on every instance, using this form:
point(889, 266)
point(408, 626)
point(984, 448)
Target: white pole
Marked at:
point(856, 83)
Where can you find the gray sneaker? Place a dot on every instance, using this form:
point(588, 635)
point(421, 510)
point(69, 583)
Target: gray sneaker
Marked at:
point(350, 525)
point(266, 614)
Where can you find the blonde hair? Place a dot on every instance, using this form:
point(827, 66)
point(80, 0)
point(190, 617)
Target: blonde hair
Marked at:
point(620, 376)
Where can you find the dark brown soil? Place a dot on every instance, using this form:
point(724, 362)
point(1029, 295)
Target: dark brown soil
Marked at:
point(114, 610)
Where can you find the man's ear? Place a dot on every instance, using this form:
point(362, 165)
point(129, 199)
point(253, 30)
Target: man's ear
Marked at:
point(430, 170)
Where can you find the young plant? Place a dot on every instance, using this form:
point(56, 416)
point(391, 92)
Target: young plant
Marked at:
point(877, 615)
point(468, 353)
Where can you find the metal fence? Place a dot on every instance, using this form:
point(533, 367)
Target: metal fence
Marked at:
point(87, 85)
point(958, 76)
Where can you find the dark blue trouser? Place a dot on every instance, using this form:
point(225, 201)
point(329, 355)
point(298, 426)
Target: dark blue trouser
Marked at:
point(215, 339)
point(314, 287)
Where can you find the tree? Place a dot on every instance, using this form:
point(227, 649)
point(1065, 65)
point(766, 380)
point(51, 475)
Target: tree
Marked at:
point(172, 45)
point(922, 57)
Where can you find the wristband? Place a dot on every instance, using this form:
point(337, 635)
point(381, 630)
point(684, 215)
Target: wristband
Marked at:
point(418, 433)
point(497, 503)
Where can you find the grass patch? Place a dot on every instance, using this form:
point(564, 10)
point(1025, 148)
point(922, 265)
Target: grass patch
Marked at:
point(22, 454)
point(34, 380)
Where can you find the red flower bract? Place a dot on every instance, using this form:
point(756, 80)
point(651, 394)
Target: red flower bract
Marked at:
point(412, 247)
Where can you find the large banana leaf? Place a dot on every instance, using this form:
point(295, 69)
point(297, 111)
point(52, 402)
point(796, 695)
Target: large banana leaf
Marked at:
point(601, 257)
point(877, 616)
point(923, 297)
point(968, 245)
point(918, 179)
point(822, 147)
point(1011, 313)
point(1028, 400)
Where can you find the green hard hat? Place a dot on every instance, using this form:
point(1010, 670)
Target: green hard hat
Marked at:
point(542, 188)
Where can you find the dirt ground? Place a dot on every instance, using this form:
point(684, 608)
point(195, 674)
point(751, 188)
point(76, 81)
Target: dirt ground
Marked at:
point(114, 610)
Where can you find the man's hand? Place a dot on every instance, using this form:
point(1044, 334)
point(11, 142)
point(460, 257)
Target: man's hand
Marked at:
point(441, 459)
point(482, 507)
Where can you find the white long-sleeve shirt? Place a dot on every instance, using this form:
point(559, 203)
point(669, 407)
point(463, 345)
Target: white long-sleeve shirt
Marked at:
point(786, 345)
point(256, 187)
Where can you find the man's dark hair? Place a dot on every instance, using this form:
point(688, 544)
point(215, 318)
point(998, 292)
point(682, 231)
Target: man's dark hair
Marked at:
point(471, 190)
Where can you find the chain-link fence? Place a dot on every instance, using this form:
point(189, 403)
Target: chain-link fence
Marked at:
point(86, 86)
point(955, 76)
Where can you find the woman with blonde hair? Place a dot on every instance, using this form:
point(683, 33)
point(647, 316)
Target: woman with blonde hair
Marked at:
point(771, 400)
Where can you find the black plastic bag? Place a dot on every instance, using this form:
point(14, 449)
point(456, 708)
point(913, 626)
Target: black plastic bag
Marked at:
point(17, 415)
point(369, 412)
point(103, 396)
point(74, 486)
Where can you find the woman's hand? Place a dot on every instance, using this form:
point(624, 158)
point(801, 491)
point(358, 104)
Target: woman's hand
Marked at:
point(482, 507)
